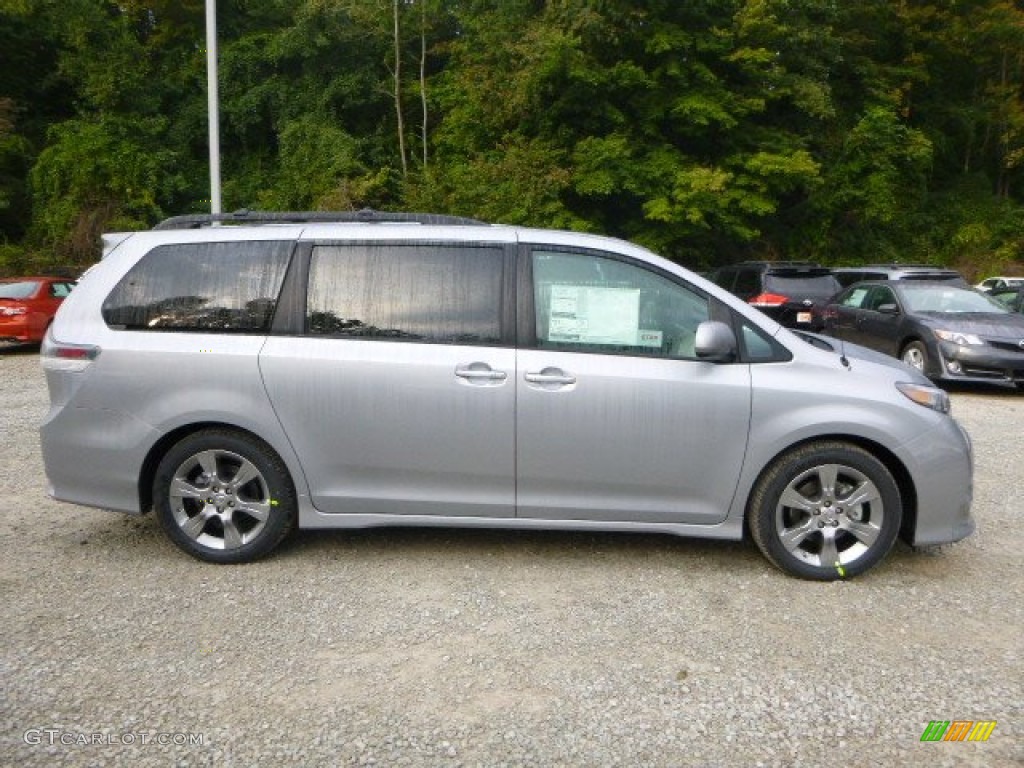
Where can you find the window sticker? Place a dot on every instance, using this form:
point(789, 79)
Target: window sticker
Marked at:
point(649, 338)
point(591, 315)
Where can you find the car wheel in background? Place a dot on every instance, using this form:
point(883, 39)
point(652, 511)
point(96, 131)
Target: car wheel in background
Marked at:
point(916, 355)
point(224, 496)
point(825, 511)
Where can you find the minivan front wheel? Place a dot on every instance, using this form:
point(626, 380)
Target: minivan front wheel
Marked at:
point(825, 511)
point(224, 496)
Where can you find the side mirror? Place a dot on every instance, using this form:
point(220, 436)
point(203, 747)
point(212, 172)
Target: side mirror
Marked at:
point(888, 309)
point(715, 342)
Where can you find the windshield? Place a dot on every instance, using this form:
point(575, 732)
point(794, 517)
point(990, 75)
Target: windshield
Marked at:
point(21, 290)
point(938, 298)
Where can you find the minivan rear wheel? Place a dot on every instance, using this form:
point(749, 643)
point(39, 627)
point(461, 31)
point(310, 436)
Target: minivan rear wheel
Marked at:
point(825, 511)
point(224, 496)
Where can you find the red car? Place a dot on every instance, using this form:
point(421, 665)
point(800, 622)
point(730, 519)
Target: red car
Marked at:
point(28, 304)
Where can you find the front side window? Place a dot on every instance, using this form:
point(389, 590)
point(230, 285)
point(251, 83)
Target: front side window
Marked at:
point(203, 287)
point(591, 303)
point(880, 296)
point(855, 298)
point(421, 292)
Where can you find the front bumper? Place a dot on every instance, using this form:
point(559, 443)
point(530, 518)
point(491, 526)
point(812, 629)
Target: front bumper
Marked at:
point(941, 462)
point(984, 363)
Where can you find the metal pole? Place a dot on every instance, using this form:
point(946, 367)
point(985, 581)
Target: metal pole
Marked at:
point(214, 109)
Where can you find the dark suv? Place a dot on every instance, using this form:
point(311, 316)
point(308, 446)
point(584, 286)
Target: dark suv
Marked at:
point(786, 291)
point(850, 275)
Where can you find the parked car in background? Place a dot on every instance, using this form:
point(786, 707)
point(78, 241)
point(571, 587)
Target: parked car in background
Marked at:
point(849, 275)
point(786, 291)
point(995, 283)
point(1013, 298)
point(386, 369)
point(945, 331)
point(27, 306)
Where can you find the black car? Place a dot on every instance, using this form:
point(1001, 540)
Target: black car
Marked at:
point(786, 291)
point(1011, 297)
point(944, 330)
point(849, 275)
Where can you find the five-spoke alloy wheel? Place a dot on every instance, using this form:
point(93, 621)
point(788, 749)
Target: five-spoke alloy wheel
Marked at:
point(224, 496)
point(827, 510)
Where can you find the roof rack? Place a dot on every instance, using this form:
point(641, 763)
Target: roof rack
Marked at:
point(366, 215)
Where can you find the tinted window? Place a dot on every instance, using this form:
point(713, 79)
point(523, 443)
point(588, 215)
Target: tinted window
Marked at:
point(201, 287)
point(431, 293)
point(724, 277)
point(747, 283)
point(801, 285)
point(590, 303)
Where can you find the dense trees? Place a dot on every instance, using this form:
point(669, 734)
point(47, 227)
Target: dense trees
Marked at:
point(709, 130)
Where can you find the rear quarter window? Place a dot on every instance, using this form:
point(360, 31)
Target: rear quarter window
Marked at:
point(226, 287)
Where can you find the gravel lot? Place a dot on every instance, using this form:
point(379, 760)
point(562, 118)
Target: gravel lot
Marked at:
point(424, 647)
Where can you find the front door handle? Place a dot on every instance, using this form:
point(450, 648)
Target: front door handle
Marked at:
point(550, 376)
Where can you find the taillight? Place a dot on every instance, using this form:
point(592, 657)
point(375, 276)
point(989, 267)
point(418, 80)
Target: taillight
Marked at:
point(61, 356)
point(768, 300)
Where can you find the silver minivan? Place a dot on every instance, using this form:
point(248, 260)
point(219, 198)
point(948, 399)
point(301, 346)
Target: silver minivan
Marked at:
point(246, 374)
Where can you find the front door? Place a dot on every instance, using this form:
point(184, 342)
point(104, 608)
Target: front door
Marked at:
point(617, 419)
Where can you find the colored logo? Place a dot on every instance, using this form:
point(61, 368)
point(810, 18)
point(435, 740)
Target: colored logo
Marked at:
point(958, 730)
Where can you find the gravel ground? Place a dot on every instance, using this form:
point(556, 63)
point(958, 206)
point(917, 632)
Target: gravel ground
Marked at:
point(452, 648)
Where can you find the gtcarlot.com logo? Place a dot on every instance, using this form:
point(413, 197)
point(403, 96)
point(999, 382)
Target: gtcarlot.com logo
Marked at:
point(58, 737)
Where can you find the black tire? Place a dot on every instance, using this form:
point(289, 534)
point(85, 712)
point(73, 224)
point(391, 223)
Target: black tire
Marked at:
point(213, 514)
point(793, 516)
point(915, 354)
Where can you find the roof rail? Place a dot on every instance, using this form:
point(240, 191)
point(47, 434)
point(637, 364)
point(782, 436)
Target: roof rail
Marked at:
point(366, 215)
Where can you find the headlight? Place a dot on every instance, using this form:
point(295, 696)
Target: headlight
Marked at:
point(963, 339)
point(929, 397)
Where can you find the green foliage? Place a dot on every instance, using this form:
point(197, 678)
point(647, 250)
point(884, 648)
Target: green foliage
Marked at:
point(100, 174)
point(709, 130)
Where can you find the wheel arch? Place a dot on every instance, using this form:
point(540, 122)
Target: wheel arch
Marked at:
point(907, 341)
point(908, 493)
point(147, 473)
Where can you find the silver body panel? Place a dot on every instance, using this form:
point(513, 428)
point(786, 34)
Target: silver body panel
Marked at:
point(385, 433)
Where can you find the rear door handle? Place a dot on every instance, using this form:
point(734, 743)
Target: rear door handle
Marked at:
point(479, 372)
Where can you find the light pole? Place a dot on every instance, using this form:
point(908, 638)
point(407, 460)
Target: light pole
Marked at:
point(212, 106)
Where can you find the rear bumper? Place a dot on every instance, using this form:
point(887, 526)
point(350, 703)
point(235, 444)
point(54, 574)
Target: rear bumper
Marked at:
point(93, 457)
